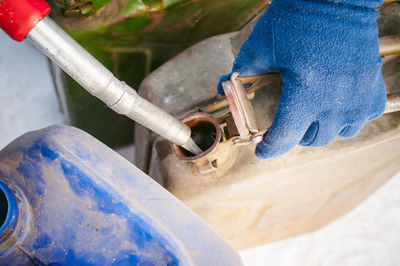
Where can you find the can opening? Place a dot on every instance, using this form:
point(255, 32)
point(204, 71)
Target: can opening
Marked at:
point(205, 133)
point(3, 207)
point(8, 209)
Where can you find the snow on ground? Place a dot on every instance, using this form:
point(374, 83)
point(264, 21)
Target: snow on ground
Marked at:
point(27, 97)
point(367, 236)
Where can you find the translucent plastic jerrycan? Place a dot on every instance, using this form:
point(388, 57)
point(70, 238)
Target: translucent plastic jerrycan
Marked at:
point(67, 199)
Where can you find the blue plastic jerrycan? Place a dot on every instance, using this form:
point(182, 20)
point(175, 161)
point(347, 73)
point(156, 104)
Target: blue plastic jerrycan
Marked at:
point(67, 199)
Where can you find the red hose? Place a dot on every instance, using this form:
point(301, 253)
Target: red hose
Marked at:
point(18, 17)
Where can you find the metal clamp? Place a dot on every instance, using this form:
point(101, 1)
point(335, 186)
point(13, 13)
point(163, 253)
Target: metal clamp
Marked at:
point(242, 126)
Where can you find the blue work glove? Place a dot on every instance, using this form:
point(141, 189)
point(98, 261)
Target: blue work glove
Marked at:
point(327, 53)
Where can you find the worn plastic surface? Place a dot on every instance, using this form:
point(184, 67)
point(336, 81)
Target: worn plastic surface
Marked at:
point(18, 17)
point(80, 203)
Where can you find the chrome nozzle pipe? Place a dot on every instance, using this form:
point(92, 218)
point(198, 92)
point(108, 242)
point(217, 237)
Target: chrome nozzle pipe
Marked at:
point(101, 83)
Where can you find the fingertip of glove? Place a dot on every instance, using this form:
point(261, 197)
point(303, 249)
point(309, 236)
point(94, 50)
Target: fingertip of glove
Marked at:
point(344, 133)
point(263, 154)
point(380, 110)
point(220, 90)
point(269, 150)
point(310, 135)
point(223, 78)
point(350, 131)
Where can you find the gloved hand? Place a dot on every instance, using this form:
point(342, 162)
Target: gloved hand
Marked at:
point(327, 53)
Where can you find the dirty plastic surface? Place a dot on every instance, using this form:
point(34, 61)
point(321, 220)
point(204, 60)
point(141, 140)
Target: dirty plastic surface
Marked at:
point(76, 202)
